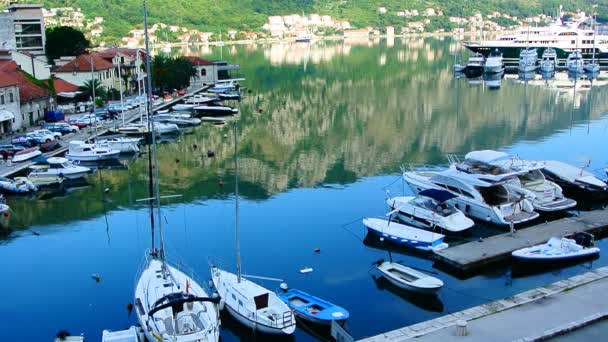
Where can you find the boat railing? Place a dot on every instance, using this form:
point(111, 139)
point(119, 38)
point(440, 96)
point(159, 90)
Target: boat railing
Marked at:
point(454, 158)
point(421, 167)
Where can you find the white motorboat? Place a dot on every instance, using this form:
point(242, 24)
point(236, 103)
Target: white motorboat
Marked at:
point(81, 151)
point(249, 303)
point(170, 305)
point(431, 209)
point(575, 62)
point(494, 63)
point(166, 128)
point(229, 96)
point(17, 186)
point(5, 213)
point(408, 278)
point(549, 61)
point(217, 110)
point(574, 179)
point(141, 128)
point(475, 63)
point(45, 182)
point(487, 201)
point(26, 154)
point(183, 107)
point(527, 60)
point(178, 120)
point(58, 167)
point(555, 250)
point(196, 100)
point(405, 235)
point(124, 145)
point(523, 177)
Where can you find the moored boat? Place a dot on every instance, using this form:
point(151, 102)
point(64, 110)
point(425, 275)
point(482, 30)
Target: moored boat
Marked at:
point(575, 63)
point(494, 63)
point(575, 180)
point(124, 145)
point(555, 250)
point(408, 278)
point(216, 110)
point(405, 235)
point(81, 151)
point(19, 186)
point(26, 154)
point(311, 308)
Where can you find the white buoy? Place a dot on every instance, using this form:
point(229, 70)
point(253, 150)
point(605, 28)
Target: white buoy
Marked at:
point(284, 286)
point(222, 304)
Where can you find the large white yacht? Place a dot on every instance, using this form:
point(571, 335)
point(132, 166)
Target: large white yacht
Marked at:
point(563, 35)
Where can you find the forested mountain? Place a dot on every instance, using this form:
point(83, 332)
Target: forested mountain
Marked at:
point(214, 15)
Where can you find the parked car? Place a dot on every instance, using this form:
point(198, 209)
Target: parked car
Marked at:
point(102, 113)
point(61, 127)
point(57, 135)
point(181, 92)
point(40, 138)
point(23, 140)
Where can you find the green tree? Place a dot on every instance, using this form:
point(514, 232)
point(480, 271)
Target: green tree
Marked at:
point(64, 41)
point(94, 84)
point(170, 73)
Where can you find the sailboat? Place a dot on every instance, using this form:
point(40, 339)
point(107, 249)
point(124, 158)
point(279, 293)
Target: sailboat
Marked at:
point(249, 303)
point(170, 305)
point(592, 67)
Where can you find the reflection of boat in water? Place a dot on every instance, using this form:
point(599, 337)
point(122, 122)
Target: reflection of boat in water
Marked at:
point(494, 81)
point(526, 76)
point(424, 302)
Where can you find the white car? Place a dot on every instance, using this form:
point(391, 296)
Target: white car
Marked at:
point(41, 137)
point(67, 126)
point(56, 135)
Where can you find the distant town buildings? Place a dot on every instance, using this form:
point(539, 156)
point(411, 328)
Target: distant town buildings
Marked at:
point(295, 25)
point(73, 17)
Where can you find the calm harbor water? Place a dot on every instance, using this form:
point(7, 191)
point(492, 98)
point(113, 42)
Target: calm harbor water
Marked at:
point(323, 134)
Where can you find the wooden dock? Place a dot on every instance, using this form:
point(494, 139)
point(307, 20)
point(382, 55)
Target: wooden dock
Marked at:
point(467, 258)
point(7, 170)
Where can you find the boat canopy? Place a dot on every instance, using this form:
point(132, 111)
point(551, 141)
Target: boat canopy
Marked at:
point(486, 156)
point(438, 195)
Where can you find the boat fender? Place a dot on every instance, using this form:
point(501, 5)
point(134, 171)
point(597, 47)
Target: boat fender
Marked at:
point(222, 304)
point(129, 307)
point(284, 286)
point(210, 283)
point(61, 175)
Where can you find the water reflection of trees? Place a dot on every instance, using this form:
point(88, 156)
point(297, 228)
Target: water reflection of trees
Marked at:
point(339, 120)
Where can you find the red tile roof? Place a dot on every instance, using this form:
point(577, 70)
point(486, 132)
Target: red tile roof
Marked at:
point(82, 63)
point(197, 61)
point(111, 53)
point(11, 75)
point(63, 86)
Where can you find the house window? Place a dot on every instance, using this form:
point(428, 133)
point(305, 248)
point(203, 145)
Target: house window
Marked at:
point(1, 99)
point(11, 98)
point(203, 72)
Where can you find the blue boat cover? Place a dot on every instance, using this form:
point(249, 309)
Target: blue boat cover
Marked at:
point(438, 195)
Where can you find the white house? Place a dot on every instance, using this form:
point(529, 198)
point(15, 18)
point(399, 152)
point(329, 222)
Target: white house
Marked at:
point(210, 72)
point(83, 68)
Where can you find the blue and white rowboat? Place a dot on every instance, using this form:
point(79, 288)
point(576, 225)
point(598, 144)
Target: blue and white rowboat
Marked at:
point(405, 235)
point(311, 308)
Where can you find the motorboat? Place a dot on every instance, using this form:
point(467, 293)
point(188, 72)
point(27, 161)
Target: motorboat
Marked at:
point(527, 60)
point(408, 278)
point(141, 128)
point(229, 96)
point(494, 63)
point(216, 110)
point(222, 87)
point(19, 186)
point(475, 64)
point(431, 209)
point(249, 303)
point(26, 154)
point(196, 100)
point(556, 250)
point(311, 308)
point(5, 213)
point(170, 305)
point(183, 107)
point(180, 121)
point(575, 180)
point(405, 235)
point(82, 151)
point(45, 182)
point(122, 144)
point(575, 62)
point(523, 177)
point(58, 167)
point(487, 201)
point(549, 61)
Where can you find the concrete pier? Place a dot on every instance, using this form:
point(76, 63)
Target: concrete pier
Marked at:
point(87, 133)
point(534, 315)
point(470, 257)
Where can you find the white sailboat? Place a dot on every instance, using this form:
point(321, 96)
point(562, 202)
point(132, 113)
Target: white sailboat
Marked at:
point(249, 303)
point(593, 67)
point(170, 305)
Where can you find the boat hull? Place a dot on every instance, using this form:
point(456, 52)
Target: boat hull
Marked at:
point(93, 158)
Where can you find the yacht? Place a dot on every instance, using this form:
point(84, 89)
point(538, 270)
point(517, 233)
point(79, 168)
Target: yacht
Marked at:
point(564, 36)
point(527, 60)
point(430, 209)
point(141, 128)
point(178, 120)
point(475, 63)
point(487, 201)
point(83, 152)
point(549, 61)
point(524, 178)
point(216, 110)
point(58, 167)
point(575, 62)
point(124, 145)
point(494, 64)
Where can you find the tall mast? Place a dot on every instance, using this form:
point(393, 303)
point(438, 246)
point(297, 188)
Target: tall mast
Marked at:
point(152, 133)
point(593, 28)
point(236, 194)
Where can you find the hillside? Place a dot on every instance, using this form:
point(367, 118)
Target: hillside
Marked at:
point(249, 15)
